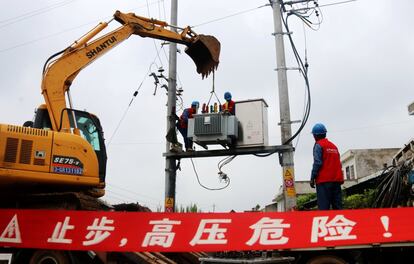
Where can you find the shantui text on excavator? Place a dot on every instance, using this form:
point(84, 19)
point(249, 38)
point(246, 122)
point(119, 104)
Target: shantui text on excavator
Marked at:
point(63, 149)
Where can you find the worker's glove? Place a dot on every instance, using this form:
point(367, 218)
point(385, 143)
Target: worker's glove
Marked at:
point(312, 183)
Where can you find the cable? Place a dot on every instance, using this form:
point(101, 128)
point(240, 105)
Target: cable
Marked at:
point(393, 189)
point(132, 192)
point(228, 16)
point(221, 164)
point(205, 187)
point(153, 40)
point(213, 91)
point(33, 13)
point(304, 71)
point(61, 32)
point(132, 99)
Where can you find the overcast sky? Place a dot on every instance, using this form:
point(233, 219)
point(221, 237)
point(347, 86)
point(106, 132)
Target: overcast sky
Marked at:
point(360, 76)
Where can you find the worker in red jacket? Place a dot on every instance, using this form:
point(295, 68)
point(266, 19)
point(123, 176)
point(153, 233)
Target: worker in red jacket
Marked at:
point(229, 105)
point(182, 124)
point(326, 171)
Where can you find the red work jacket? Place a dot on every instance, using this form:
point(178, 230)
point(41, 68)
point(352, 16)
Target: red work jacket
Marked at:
point(331, 170)
point(187, 113)
point(229, 106)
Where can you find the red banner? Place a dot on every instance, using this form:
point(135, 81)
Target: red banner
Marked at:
point(126, 231)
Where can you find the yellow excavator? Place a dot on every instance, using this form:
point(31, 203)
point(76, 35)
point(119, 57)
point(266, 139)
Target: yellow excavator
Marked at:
point(64, 148)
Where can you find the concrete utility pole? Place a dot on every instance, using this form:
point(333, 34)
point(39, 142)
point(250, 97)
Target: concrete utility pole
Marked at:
point(170, 163)
point(286, 158)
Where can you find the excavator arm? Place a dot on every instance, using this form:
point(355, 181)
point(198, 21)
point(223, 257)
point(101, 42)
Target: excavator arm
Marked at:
point(62, 68)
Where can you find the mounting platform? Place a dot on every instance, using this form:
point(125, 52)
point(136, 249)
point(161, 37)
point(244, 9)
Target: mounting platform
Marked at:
point(228, 152)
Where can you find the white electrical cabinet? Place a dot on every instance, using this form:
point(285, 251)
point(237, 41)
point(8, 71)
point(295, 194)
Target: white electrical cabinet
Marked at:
point(253, 128)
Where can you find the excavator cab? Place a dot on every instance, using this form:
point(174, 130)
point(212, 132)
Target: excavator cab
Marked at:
point(89, 128)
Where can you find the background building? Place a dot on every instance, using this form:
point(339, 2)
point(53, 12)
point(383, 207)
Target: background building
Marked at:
point(358, 166)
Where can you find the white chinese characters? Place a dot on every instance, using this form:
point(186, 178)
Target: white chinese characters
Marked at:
point(210, 232)
point(98, 231)
point(59, 232)
point(268, 231)
point(339, 228)
point(161, 234)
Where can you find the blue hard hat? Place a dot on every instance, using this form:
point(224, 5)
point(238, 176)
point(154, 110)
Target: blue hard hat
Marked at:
point(195, 103)
point(319, 129)
point(227, 96)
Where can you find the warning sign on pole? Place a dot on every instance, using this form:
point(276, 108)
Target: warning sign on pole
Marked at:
point(169, 205)
point(289, 181)
point(121, 231)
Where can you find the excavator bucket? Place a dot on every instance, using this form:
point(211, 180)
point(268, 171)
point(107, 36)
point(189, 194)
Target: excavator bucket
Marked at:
point(205, 52)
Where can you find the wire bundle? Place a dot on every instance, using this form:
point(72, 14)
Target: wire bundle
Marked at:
point(304, 15)
point(394, 189)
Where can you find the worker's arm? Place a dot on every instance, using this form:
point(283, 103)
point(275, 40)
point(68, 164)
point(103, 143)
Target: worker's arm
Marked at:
point(317, 161)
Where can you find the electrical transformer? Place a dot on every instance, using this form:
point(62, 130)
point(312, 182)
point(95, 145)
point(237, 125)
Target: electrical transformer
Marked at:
point(213, 128)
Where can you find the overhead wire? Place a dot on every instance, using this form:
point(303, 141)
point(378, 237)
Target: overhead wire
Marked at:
point(132, 192)
point(153, 40)
point(132, 99)
point(127, 199)
point(64, 31)
point(231, 15)
point(13, 20)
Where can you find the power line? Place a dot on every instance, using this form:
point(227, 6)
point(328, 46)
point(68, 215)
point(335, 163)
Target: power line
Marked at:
point(13, 20)
point(132, 192)
point(231, 15)
point(132, 99)
point(42, 38)
point(66, 30)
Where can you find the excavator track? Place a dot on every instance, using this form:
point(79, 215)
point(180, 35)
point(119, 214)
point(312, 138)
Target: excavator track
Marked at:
point(55, 200)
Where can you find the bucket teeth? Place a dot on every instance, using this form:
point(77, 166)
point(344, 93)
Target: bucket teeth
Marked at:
point(205, 52)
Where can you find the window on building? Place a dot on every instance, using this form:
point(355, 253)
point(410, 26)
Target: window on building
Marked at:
point(347, 173)
point(352, 172)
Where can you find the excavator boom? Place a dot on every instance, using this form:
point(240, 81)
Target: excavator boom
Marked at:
point(60, 72)
point(63, 149)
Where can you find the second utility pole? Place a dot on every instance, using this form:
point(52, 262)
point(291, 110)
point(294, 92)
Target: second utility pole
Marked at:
point(170, 163)
point(286, 158)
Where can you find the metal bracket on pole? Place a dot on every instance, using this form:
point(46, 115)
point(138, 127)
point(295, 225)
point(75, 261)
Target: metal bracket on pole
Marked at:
point(287, 69)
point(293, 2)
point(282, 33)
point(288, 123)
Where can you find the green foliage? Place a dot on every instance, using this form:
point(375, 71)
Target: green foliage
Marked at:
point(192, 208)
point(354, 201)
point(302, 199)
point(359, 201)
